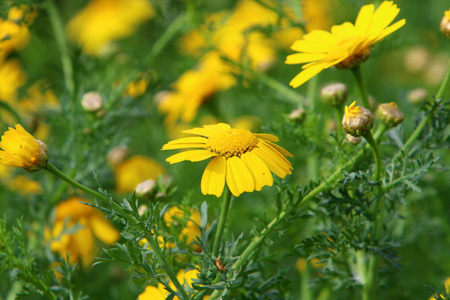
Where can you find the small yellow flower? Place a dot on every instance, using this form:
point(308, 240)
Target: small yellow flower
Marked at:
point(137, 88)
point(22, 13)
point(160, 293)
point(190, 232)
point(134, 170)
point(347, 45)
point(13, 36)
point(83, 222)
point(103, 21)
point(21, 149)
point(12, 77)
point(316, 14)
point(243, 159)
point(25, 186)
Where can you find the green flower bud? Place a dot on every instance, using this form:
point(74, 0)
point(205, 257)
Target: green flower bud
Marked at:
point(354, 140)
point(357, 120)
point(297, 115)
point(389, 114)
point(92, 102)
point(334, 94)
point(146, 189)
point(417, 95)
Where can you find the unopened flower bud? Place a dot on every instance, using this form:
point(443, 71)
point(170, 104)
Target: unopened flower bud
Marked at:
point(116, 156)
point(334, 94)
point(142, 210)
point(146, 188)
point(297, 115)
point(417, 95)
point(390, 114)
point(445, 24)
point(357, 120)
point(92, 102)
point(354, 140)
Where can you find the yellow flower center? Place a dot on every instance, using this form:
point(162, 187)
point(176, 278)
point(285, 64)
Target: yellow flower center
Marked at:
point(231, 142)
point(352, 110)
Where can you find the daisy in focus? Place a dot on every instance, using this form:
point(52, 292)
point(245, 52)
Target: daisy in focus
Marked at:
point(347, 45)
point(22, 150)
point(242, 159)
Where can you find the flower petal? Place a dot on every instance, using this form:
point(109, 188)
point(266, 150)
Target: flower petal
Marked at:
point(259, 170)
point(188, 142)
point(276, 162)
point(267, 137)
point(239, 178)
point(306, 75)
point(191, 155)
point(103, 230)
point(213, 179)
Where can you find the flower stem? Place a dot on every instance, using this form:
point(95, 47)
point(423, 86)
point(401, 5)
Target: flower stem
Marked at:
point(376, 153)
point(444, 83)
point(151, 238)
point(356, 71)
point(222, 220)
point(58, 30)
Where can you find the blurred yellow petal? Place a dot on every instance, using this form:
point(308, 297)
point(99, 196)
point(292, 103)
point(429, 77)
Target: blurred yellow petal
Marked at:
point(103, 229)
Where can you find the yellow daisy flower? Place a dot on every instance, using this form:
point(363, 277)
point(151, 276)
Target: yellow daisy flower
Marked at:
point(21, 149)
point(74, 229)
point(347, 45)
point(242, 159)
point(104, 21)
point(134, 170)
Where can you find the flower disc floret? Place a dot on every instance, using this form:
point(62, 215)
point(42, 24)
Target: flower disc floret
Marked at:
point(232, 142)
point(241, 159)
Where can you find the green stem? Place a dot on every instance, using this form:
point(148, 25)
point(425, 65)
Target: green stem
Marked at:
point(338, 116)
point(58, 30)
point(312, 162)
point(151, 238)
point(222, 220)
point(444, 84)
point(380, 131)
point(376, 153)
point(356, 71)
point(168, 35)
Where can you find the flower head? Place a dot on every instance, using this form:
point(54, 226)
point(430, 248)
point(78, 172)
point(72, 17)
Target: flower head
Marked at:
point(103, 21)
point(357, 120)
point(134, 170)
point(160, 293)
point(74, 228)
point(21, 149)
point(445, 24)
point(347, 45)
point(334, 94)
point(242, 159)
